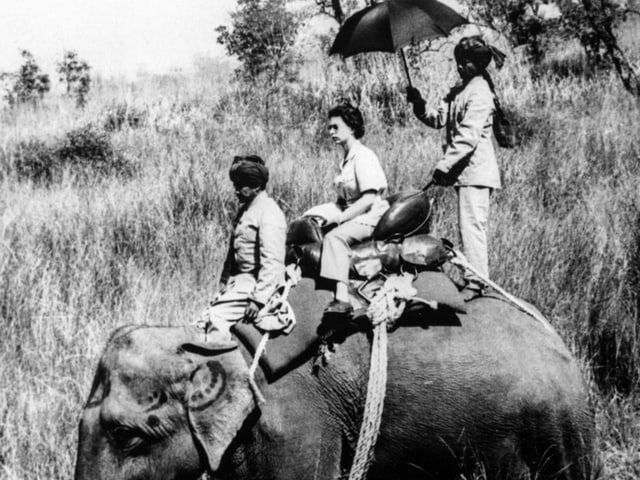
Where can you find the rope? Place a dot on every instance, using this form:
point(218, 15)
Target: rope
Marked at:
point(386, 306)
point(374, 404)
point(292, 277)
point(459, 260)
point(256, 358)
point(252, 369)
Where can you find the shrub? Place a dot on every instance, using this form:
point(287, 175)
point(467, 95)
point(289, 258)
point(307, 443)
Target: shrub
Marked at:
point(87, 152)
point(89, 149)
point(34, 160)
point(122, 115)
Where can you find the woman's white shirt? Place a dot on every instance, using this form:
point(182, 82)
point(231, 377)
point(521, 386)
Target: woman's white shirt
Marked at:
point(360, 171)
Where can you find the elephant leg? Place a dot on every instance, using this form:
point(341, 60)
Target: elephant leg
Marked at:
point(557, 445)
point(503, 462)
point(572, 456)
point(328, 462)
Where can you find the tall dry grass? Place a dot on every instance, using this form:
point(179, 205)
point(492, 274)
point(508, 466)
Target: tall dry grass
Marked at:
point(83, 255)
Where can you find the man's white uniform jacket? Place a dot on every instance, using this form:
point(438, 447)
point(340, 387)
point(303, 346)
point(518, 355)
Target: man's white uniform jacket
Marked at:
point(469, 154)
point(257, 249)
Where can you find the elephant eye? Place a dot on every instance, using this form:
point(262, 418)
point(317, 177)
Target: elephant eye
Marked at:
point(126, 439)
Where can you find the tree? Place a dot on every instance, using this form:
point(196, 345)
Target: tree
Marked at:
point(339, 9)
point(262, 36)
point(594, 23)
point(28, 84)
point(591, 22)
point(333, 6)
point(74, 72)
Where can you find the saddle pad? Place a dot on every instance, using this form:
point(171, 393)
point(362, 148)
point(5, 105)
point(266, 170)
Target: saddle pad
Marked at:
point(437, 286)
point(286, 352)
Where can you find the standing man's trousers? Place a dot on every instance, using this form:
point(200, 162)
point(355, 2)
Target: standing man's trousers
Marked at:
point(473, 218)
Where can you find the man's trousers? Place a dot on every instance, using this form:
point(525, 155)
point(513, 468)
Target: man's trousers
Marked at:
point(473, 218)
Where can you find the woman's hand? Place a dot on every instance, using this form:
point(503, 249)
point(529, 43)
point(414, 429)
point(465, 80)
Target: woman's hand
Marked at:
point(251, 311)
point(360, 206)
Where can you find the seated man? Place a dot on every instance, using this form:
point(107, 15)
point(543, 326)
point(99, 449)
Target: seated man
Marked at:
point(254, 266)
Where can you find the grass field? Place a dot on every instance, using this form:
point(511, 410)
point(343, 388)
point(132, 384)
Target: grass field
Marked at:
point(87, 249)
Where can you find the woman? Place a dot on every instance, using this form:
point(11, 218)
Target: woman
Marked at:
point(469, 162)
point(359, 206)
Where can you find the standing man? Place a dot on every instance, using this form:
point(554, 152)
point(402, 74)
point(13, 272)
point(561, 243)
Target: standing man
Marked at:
point(254, 266)
point(469, 162)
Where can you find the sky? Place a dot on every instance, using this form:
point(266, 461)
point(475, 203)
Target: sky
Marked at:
point(116, 37)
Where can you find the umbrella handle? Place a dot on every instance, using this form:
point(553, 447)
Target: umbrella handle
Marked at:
point(406, 67)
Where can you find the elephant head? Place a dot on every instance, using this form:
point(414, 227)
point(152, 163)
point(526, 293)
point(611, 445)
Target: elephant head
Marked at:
point(164, 404)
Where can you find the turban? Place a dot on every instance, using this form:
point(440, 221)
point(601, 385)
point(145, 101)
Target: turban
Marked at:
point(476, 50)
point(249, 171)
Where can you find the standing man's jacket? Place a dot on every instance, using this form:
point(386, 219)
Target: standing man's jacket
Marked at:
point(469, 155)
point(257, 248)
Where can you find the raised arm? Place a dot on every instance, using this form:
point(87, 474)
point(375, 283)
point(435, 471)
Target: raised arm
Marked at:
point(434, 118)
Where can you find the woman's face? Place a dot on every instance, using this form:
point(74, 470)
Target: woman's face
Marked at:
point(339, 131)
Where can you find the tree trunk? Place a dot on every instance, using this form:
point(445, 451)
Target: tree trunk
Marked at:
point(601, 21)
point(338, 13)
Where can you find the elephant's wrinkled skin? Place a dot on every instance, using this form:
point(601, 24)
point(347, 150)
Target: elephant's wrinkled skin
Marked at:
point(492, 390)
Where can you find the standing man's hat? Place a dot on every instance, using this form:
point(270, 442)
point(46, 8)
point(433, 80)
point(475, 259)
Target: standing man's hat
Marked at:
point(478, 52)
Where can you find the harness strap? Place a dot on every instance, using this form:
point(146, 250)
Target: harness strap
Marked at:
point(458, 259)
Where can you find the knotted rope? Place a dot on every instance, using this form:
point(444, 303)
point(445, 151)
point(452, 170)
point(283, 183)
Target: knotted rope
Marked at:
point(278, 307)
point(386, 306)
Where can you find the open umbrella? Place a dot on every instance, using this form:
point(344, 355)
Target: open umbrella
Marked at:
point(391, 25)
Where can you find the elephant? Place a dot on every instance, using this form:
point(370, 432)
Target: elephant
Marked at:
point(491, 393)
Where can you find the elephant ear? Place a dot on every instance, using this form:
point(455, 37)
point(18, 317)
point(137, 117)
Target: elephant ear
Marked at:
point(219, 400)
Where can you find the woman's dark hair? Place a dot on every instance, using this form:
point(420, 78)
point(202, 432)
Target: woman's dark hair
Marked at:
point(351, 116)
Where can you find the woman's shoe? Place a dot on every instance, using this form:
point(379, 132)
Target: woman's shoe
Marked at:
point(338, 307)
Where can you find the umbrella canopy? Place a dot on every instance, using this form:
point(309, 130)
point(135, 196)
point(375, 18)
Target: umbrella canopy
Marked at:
point(391, 25)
